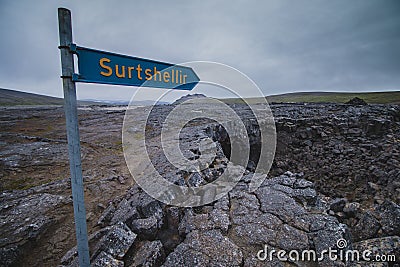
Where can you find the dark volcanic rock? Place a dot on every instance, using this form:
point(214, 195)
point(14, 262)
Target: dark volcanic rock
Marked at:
point(339, 152)
point(116, 242)
point(389, 217)
point(208, 248)
point(356, 101)
point(107, 215)
point(150, 254)
point(338, 204)
point(233, 229)
point(146, 228)
point(386, 246)
point(367, 227)
point(104, 259)
point(124, 213)
point(351, 209)
point(24, 220)
point(334, 148)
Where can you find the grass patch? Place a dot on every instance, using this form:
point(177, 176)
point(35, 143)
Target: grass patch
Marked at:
point(390, 97)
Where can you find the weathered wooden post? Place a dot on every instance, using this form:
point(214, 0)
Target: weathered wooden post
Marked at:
point(93, 68)
point(74, 149)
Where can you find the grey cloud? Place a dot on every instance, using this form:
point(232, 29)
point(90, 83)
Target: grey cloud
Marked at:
point(282, 45)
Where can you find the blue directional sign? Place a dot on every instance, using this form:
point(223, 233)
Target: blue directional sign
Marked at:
point(109, 68)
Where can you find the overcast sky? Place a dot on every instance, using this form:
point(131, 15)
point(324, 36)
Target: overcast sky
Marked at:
point(284, 46)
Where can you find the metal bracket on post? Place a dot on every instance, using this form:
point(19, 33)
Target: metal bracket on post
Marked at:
point(74, 148)
point(72, 48)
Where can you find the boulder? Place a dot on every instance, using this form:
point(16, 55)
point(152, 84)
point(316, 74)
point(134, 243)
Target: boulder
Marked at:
point(356, 101)
point(205, 248)
point(116, 242)
point(150, 254)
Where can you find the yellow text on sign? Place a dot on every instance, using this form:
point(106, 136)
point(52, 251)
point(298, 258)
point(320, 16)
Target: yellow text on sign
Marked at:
point(109, 69)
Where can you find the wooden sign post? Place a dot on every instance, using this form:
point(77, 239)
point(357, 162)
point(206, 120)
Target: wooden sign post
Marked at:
point(74, 148)
point(106, 68)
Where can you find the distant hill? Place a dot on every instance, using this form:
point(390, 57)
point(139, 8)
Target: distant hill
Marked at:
point(188, 97)
point(388, 97)
point(16, 98)
point(125, 102)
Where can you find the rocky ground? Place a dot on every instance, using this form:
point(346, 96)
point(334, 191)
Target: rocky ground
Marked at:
point(36, 206)
point(336, 175)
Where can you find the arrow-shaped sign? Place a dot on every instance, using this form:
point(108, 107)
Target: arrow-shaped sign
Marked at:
point(109, 68)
